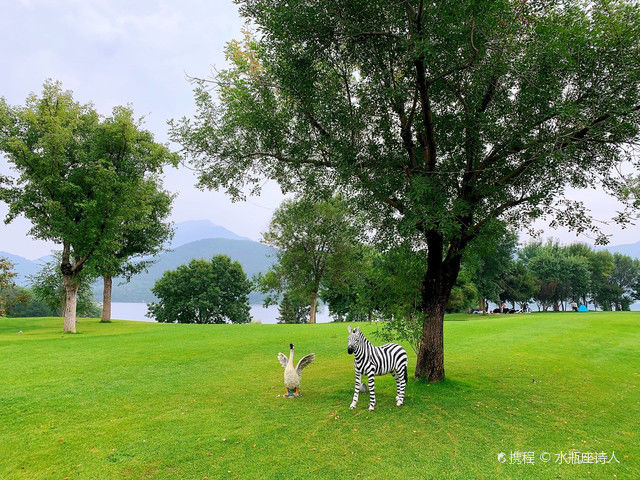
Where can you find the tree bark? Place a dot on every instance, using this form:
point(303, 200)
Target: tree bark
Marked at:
point(436, 290)
point(71, 298)
point(312, 313)
point(106, 299)
point(430, 360)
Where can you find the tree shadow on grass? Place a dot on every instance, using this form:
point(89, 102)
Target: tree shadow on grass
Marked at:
point(446, 390)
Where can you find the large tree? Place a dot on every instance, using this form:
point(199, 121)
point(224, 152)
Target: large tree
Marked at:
point(433, 117)
point(75, 179)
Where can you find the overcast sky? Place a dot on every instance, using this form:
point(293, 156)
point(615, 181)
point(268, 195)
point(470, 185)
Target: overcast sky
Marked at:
point(114, 52)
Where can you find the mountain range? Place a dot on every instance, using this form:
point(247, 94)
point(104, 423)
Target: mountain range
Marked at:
point(631, 249)
point(192, 239)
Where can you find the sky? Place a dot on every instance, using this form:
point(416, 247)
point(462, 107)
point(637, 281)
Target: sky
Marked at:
point(115, 52)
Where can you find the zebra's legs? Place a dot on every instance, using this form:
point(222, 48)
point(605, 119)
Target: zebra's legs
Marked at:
point(372, 392)
point(356, 391)
point(401, 384)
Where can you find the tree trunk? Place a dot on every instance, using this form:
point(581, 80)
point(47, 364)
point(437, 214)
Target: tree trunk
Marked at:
point(430, 360)
point(71, 298)
point(483, 305)
point(106, 299)
point(436, 290)
point(312, 313)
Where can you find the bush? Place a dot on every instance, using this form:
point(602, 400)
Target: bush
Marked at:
point(215, 291)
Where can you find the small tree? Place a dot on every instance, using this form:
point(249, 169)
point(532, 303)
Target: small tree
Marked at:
point(520, 284)
point(8, 294)
point(215, 291)
point(314, 239)
point(626, 277)
point(292, 309)
point(350, 295)
point(23, 303)
point(489, 258)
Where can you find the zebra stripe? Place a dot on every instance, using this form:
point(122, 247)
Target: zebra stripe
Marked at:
point(371, 361)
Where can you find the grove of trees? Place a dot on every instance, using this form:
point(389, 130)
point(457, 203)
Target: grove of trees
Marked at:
point(88, 184)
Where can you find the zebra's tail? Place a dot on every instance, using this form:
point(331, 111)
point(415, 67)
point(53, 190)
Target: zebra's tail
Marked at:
point(405, 373)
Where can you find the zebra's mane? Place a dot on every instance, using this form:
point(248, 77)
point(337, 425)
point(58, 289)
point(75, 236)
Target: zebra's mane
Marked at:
point(361, 335)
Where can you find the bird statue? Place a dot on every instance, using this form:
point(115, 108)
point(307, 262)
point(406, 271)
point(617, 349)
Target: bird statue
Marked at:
point(292, 375)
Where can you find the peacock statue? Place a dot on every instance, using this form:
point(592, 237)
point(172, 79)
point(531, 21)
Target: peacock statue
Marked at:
point(292, 375)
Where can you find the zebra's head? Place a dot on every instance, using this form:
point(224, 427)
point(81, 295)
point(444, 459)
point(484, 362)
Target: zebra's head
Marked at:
point(355, 337)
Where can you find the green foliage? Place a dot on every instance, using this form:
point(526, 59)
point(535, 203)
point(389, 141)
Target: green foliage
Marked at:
point(488, 260)
point(215, 291)
point(464, 294)
point(7, 291)
point(433, 119)
point(519, 284)
point(337, 95)
point(578, 273)
point(293, 310)
point(624, 281)
point(47, 287)
point(349, 296)
point(23, 303)
point(396, 290)
point(315, 241)
point(87, 184)
point(140, 227)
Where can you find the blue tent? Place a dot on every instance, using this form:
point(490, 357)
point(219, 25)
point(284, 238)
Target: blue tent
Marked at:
point(583, 308)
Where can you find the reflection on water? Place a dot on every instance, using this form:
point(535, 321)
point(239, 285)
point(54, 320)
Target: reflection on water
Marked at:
point(137, 312)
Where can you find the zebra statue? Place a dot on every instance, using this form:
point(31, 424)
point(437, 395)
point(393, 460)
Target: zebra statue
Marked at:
point(371, 361)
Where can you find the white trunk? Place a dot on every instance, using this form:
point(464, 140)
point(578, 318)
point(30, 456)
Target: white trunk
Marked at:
point(69, 312)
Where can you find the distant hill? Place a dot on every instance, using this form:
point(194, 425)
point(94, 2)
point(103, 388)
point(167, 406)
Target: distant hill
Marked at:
point(192, 239)
point(23, 266)
point(253, 256)
point(631, 249)
point(193, 230)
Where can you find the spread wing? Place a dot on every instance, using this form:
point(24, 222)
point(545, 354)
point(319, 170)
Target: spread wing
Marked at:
point(283, 359)
point(304, 361)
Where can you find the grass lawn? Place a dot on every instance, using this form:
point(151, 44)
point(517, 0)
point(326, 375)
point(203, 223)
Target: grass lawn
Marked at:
point(142, 400)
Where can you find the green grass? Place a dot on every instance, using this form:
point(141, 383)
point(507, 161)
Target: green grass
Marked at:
point(141, 400)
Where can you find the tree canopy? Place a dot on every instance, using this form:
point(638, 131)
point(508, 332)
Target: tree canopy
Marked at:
point(204, 291)
point(315, 239)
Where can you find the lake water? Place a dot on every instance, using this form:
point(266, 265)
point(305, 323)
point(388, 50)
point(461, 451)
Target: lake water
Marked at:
point(138, 311)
